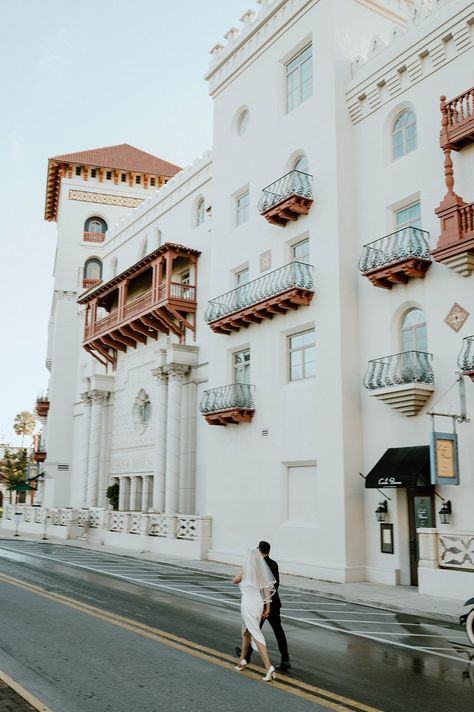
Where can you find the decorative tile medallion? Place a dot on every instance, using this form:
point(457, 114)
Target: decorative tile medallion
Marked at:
point(121, 200)
point(265, 260)
point(456, 317)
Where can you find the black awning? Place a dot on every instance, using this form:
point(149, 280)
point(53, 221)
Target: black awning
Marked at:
point(401, 467)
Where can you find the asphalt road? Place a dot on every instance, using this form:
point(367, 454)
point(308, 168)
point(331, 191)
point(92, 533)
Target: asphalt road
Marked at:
point(87, 631)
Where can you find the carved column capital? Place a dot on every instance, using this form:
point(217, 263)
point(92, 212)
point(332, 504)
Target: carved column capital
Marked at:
point(86, 399)
point(160, 375)
point(98, 396)
point(176, 371)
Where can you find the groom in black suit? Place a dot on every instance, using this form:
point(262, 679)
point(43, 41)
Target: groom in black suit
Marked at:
point(274, 614)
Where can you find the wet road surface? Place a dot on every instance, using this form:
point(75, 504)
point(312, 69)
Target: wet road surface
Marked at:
point(384, 660)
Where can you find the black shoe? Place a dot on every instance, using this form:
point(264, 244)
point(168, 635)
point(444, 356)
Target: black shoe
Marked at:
point(284, 667)
point(238, 651)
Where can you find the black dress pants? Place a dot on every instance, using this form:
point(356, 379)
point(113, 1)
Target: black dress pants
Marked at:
point(275, 621)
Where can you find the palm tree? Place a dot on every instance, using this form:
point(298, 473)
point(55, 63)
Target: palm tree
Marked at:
point(24, 424)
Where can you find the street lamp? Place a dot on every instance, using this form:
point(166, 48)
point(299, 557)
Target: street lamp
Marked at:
point(445, 512)
point(381, 511)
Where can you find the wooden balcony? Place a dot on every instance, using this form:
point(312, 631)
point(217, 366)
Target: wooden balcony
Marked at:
point(455, 246)
point(140, 303)
point(287, 198)
point(97, 237)
point(396, 258)
point(457, 121)
point(466, 357)
point(228, 404)
point(274, 293)
point(42, 406)
point(403, 381)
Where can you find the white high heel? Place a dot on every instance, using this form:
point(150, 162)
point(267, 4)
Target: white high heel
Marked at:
point(241, 664)
point(270, 674)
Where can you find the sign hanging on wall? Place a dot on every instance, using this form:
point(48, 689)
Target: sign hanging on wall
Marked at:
point(444, 458)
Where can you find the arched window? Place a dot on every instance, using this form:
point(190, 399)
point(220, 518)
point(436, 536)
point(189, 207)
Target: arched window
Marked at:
point(404, 134)
point(243, 122)
point(93, 269)
point(414, 335)
point(95, 224)
point(301, 164)
point(200, 211)
point(114, 267)
point(144, 249)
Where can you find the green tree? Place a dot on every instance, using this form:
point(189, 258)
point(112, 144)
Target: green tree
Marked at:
point(112, 494)
point(24, 424)
point(13, 468)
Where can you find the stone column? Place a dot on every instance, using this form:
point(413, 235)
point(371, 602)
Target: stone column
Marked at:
point(145, 492)
point(97, 401)
point(133, 493)
point(187, 474)
point(176, 374)
point(124, 494)
point(159, 455)
point(86, 441)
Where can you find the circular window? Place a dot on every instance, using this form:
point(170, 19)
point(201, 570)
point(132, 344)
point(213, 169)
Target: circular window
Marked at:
point(141, 411)
point(243, 122)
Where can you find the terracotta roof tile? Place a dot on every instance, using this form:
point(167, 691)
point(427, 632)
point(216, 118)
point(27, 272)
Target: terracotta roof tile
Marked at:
point(122, 156)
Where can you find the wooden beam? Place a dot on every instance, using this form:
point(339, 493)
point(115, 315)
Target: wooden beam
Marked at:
point(109, 341)
point(124, 339)
point(128, 330)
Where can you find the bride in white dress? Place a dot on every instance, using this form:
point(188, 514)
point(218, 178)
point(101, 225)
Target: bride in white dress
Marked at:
point(257, 586)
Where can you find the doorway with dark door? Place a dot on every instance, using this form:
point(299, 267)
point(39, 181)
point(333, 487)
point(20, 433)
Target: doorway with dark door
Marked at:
point(421, 514)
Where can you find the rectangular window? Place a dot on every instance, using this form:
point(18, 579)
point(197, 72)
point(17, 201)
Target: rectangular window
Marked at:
point(301, 356)
point(408, 216)
point(241, 366)
point(300, 251)
point(242, 277)
point(152, 181)
point(108, 175)
point(138, 179)
point(242, 208)
point(93, 172)
point(299, 79)
point(78, 170)
point(123, 177)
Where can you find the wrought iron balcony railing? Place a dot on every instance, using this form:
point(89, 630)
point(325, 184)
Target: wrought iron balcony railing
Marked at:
point(399, 369)
point(236, 396)
point(293, 183)
point(466, 357)
point(294, 275)
point(399, 245)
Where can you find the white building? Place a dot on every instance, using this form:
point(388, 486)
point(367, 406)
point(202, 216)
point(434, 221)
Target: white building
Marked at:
point(246, 288)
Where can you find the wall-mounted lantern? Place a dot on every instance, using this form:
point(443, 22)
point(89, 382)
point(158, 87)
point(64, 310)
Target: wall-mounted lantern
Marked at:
point(445, 512)
point(381, 511)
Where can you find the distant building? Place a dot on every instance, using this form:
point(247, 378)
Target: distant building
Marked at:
point(280, 316)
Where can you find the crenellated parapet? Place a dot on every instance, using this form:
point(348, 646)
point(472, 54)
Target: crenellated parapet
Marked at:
point(436, 32)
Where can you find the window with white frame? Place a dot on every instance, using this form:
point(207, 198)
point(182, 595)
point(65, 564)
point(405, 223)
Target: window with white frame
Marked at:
point(404, 139)
point(414, 335)
point(242, 208)
point(410, 216)
point(241, 277)
point(301, 355)
point(300, 251)
point(299, 78)
point(243, 122)
point(241, 366)
point(200, 211)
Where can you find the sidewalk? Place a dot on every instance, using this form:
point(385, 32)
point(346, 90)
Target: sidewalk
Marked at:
point(404, 599)
point(11, 701)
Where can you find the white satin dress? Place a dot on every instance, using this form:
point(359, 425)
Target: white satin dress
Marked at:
point(251, 609)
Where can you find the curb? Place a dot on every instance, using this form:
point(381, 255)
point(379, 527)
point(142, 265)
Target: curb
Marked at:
point(33, 701)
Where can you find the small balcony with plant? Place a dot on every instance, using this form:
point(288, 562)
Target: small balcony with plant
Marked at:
point(396, 258)
point(234, 403)
point(42, 405)
point(404, 381)
point(287, 198)
point(276, 292)
point(466, 357)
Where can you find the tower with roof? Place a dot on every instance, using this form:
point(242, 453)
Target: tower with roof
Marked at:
point(86, 193)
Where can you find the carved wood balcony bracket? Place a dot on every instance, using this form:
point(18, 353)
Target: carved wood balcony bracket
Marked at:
point(288, 210)
point(399, 272)
point(225, 417)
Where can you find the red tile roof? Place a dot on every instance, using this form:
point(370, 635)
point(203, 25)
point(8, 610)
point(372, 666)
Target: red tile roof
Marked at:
point(122, 157)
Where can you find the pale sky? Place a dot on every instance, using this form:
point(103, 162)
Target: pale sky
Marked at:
point(80, 75)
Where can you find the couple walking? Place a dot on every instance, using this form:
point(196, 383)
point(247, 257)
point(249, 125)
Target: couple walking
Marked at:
point(259, 581)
